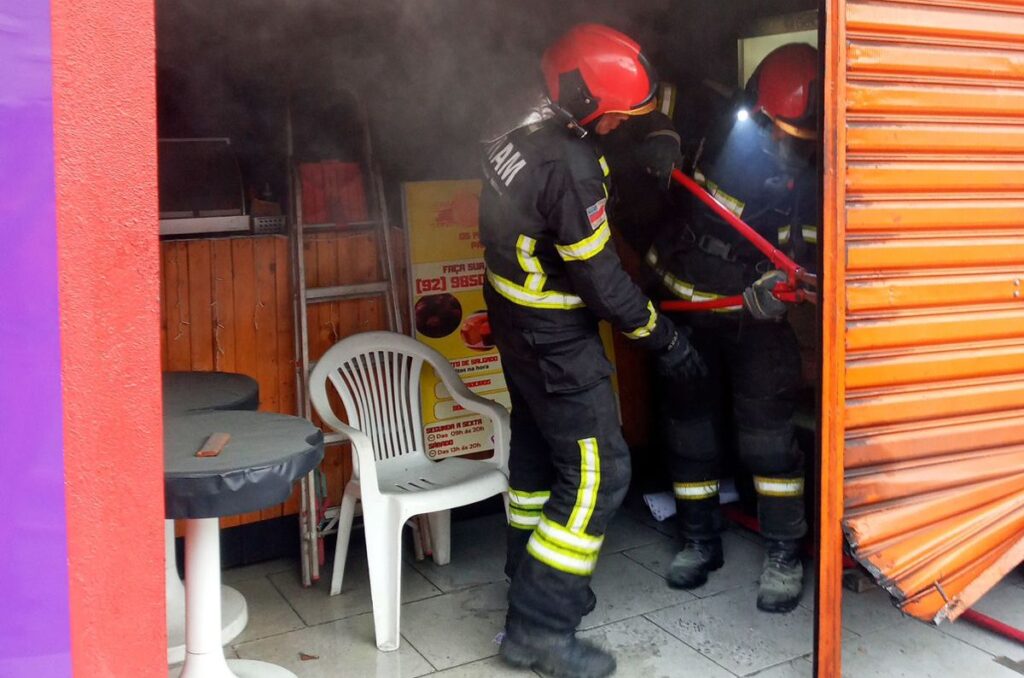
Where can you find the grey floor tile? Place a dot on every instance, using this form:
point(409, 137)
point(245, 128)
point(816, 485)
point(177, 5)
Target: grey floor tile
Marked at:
point(742, 567)
point(667, 528)
point(342, 648)
point(269, 613)
point(635, 508)
point(1006, 603)
point(626, 589)
point(729, 629)
point(644, 650)
point(234, 575)
point(920, 651)
point(457, 628)
point(863, 613)
point(478, 555)
point(625, 532)
point(488, 668)
point(749, 535)
point(1016, 576)
point(798, 668)
point(316, 606)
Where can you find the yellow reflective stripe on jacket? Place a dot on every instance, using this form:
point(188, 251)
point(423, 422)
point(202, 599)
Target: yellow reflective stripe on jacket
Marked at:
point(519, 294)
point(604, 165)
point(588, 247)
point(590, 481)
point(734, 205)
point(562, 537)
point(809, 233)
point(703, 489)
point(561, 559)
point(528, 499)
point(667, 99)
point(523, 519)
point(524, 508)
point(779, 487)
point(685, 290)
point(530, 264)
point(645, 331)
point(566, 550)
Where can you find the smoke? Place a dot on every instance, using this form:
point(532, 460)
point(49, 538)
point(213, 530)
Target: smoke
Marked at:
point(430, 72)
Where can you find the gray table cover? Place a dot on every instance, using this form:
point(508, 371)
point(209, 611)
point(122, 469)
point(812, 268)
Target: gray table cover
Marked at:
point(199, 391)
point(267, 453)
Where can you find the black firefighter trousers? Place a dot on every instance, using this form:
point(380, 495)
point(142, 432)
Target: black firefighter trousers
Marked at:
point(747, 400)
point(569, 470)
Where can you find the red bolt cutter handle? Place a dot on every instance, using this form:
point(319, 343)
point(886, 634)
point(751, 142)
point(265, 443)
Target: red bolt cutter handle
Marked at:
point(789, 291)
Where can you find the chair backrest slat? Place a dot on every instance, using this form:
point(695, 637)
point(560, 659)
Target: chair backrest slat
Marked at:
point(415, 407)
point(394, 401)
point(402, 387)
point(390, 402)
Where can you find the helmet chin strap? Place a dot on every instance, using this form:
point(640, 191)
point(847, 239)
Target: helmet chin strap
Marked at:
point(566, 118)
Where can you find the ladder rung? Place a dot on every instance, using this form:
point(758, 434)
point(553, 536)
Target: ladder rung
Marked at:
point(340, 292)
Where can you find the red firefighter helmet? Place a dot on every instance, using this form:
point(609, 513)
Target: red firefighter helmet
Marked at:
point(785, 88)
point(593, 70)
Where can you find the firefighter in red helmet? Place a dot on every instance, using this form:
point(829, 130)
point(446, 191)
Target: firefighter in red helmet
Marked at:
point(760, 165)
point(551, 275)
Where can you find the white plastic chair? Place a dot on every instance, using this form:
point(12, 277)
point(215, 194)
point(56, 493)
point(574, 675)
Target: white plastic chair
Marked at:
point(377, 376)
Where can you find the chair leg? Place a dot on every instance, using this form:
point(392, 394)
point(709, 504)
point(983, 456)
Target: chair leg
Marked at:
point(508, 512)
point(441, 535)
point(383, 527)
point(345, 515)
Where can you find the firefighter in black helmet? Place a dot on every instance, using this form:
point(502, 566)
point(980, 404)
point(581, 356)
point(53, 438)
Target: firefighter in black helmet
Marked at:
point(761, 167)
point(551, 275)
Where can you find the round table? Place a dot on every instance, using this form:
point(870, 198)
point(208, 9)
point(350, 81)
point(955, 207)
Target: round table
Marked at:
point(265, 455)
point(183, 393)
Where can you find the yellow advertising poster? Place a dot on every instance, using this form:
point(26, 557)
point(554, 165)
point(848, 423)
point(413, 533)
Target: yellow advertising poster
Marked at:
point(447, 276)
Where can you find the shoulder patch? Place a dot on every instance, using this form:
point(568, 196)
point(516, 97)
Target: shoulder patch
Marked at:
point(597, 214)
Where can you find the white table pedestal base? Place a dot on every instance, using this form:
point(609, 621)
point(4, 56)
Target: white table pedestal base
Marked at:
point(240, 668)
point(234, 609)
point(204, 656)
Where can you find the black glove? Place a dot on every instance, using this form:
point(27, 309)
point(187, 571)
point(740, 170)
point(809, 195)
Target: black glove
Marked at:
point(659, 154)
point(680, 360)
point(759, 300)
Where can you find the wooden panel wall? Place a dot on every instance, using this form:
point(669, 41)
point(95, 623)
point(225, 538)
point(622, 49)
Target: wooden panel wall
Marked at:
point(226, 304)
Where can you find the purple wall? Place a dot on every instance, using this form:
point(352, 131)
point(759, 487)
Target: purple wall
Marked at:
point(34, 623)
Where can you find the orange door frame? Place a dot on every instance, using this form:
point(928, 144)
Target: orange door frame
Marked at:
point(832, 284)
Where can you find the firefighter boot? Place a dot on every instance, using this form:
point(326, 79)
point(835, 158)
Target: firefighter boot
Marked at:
point(556, 655)
point(698, 557)
point(591, 603)
point(782, 579)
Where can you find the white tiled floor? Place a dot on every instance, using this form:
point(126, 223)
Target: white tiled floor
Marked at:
point(452, 614)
